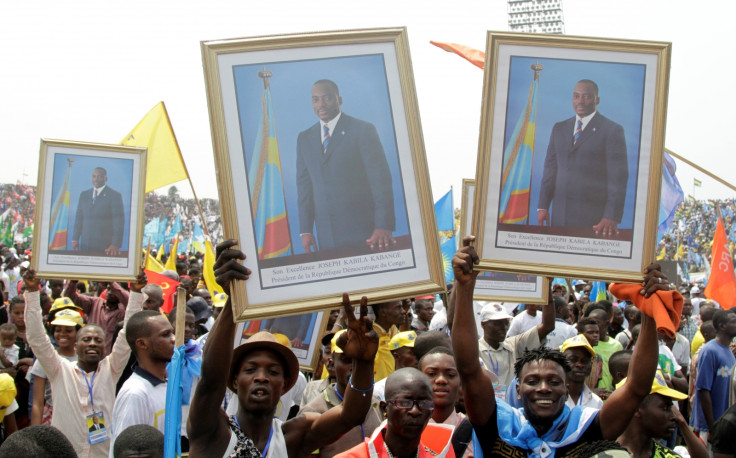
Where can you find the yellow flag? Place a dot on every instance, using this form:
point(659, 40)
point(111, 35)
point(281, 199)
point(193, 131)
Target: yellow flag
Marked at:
point(165, 164)
point(153, 265)
point(662, 254)
point(160, 253)
point(208, 269)
point(171, 262)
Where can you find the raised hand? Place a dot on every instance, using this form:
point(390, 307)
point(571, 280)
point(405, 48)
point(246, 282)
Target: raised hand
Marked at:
point(140, 281)
point(227, 268)
point(464, 260)
point(360, 341)
point(654, 280)
point(29, 278)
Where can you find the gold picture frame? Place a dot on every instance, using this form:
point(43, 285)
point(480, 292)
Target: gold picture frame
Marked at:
point(263, 126)
point(304, 333)
point(605, 174)
point(80, 233)
point(500, 286)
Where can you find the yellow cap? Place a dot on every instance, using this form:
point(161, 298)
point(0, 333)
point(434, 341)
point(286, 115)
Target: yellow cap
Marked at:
point(7, 393)
point(659, 386)
point(335, 347)
point(577, 341)
point(67, 317)
point(402, 339)
point(63, 303)
point(219, 300)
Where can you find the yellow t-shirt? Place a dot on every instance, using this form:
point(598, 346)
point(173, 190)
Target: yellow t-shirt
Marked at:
point(698, 340)
point(384, 364)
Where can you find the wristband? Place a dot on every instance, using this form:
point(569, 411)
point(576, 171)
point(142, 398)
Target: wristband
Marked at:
point(350, 382)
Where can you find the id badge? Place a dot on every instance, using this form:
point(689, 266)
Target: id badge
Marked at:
point(97, 428)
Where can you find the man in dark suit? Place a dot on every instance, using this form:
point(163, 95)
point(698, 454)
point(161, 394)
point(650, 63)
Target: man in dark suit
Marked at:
point(98, 225)
point(343, 179)
point(586, 168)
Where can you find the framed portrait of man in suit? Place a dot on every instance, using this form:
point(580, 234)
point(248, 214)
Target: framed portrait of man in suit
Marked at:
point(500, 286)
point(570, 155)
point(89, 210)
point(322, 173)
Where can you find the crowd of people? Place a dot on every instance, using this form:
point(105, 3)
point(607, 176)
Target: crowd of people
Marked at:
point(688, 239)
point(84, 370)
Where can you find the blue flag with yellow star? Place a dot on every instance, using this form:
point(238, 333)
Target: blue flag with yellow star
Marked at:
point(444, 213)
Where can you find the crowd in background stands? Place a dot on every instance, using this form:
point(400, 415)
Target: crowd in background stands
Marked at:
point(20, 199)
point(171, 204)
point(688, 240)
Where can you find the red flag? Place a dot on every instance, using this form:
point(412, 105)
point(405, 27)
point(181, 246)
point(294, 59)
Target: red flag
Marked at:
point(722, 282)
point(474, 56)
point(167, 284)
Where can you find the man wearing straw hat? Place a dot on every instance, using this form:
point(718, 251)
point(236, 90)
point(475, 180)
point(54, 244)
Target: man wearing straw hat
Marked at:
point(260, 371)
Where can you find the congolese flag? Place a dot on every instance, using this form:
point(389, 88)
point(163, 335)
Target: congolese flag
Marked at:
point(517, 161)
point(268, 202)
point(60, 216)
point(443, 210)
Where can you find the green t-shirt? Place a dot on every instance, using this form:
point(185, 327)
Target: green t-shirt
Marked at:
point(605, 350)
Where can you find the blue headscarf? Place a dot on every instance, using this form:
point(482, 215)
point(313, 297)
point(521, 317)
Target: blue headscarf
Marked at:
point(568, 427)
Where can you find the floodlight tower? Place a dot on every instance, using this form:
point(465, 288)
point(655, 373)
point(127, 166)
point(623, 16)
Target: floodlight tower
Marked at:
point(538, 16)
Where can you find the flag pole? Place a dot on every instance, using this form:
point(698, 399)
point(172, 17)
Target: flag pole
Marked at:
point(537, 67)
point(701, 169)
point(189, 178)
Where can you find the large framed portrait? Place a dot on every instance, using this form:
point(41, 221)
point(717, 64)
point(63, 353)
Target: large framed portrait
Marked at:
point(500, 286)
point(301, 333)
point(89, 210)
point(570, 155)
point(321, 169)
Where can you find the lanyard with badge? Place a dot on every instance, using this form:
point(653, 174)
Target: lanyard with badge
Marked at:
point(95, 421)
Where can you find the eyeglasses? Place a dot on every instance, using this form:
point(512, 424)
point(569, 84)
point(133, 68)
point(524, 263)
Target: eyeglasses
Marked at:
point(407, 404)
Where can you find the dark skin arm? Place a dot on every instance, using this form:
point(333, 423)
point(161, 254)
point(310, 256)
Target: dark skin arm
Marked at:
point(211, 426)
point(694, 445)
point(623, 403)
point(706, 403)
point(406, 324)
point(548, 317)
point(480, 402)
point(309, 432)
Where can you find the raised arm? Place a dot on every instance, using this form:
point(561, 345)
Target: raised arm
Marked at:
point(480, 402)
point(211, 425)
point(35, 332)
point(621, 406)
point(86, 303)
point(360, 343)
point(548, 316)
point(121, 351)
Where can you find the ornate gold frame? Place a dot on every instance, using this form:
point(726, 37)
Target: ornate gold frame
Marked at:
point(306, 44)
point(484, 288)
point(43, 206)
point(569, 265)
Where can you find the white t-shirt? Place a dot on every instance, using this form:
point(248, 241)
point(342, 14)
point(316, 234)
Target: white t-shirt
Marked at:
point(523, 322)
point(139, 402)
point(559, 334)
point(10, 353)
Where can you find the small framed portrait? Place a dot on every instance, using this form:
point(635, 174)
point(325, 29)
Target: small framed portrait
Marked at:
point(500, 286)
point(321, 169)
point(570, 155)
point(89, 210)
point(301, 333)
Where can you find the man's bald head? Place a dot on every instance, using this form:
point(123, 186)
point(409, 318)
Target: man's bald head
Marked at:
point(707, 309)
point(405, 377)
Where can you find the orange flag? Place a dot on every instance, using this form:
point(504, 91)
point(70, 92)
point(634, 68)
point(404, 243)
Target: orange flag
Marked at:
point(722, 281)
point(474, 56)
